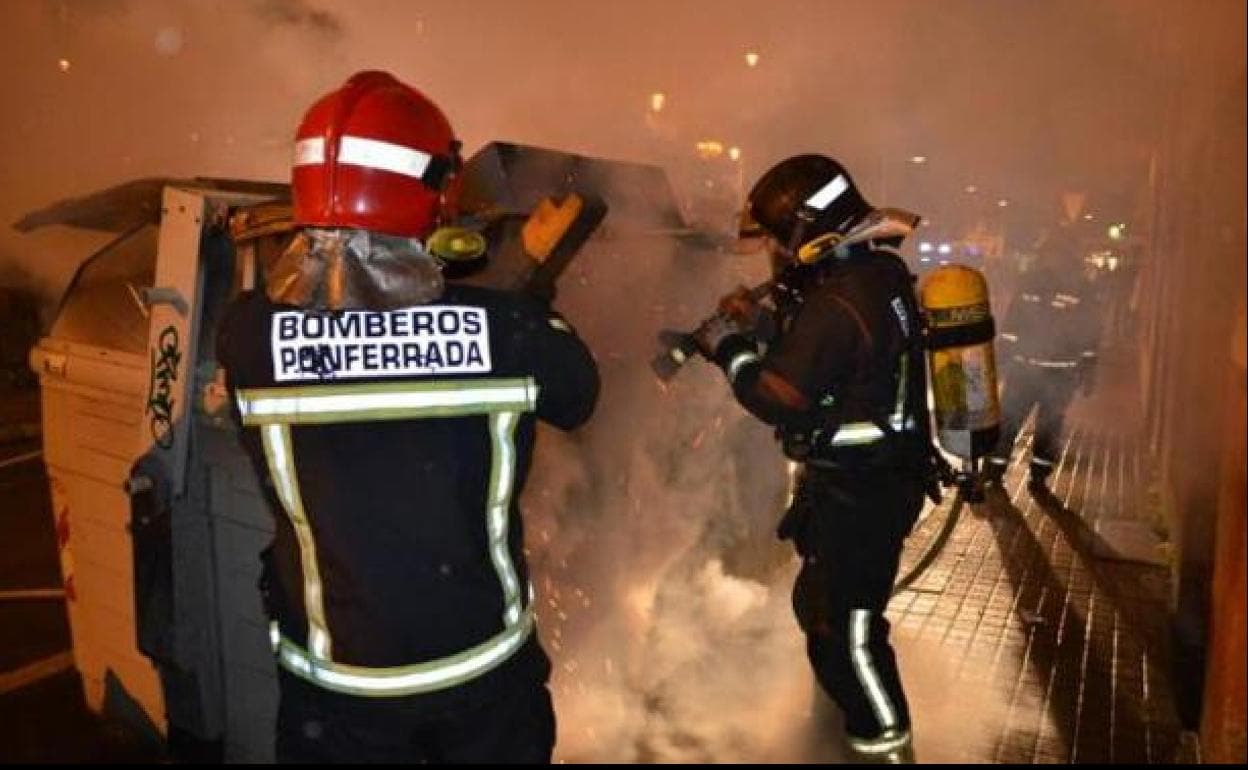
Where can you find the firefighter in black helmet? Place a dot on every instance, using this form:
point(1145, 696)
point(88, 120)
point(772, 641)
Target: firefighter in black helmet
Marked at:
point(1049, 338)
point(843, 380)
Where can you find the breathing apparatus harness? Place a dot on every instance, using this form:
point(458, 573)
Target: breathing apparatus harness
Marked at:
point(880, 232)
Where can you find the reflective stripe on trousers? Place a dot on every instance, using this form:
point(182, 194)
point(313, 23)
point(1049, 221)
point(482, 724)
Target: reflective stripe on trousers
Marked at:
point(864, 669)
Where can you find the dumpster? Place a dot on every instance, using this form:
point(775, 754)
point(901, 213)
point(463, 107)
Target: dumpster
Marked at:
point(127, 358)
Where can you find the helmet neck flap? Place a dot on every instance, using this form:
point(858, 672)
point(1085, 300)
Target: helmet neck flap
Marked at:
point(344, 269)
point(885, 226)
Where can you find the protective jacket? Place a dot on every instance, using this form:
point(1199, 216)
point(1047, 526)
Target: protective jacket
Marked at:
point(397, 443)
point(850, 345)
point(1051, 322)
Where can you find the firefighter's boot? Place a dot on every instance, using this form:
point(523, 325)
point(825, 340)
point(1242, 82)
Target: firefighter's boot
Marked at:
point(994, 471)
point(892, 747)
point(1038, 475)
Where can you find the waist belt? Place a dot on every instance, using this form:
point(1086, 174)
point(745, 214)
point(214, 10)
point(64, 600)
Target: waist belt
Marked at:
point(860, 433)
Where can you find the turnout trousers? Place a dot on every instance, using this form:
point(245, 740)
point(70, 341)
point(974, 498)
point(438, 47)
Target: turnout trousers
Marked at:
point(1050, 391)
point(315, 725)
point(849, 526)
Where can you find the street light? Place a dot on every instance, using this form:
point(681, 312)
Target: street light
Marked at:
point(971, 189)
point(1088, 217)
point(1003, 203)
point(709, 148)
point(734, 153)
point(751, 58)
point(918, 159)
point(657, 100)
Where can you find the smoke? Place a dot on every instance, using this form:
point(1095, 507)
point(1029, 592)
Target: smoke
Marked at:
point(300, 15)
point(107, 90)
point(663, 592)
point(115, 90)
point(714, 675)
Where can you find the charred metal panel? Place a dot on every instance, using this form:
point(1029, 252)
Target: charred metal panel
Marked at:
point(515, 177)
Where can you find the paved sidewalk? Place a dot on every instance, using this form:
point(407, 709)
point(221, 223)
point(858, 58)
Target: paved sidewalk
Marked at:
point(1046, 616)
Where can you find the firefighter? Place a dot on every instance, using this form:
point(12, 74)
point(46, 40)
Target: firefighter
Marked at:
point(1049, 347)
point(392, 416)
point(843, 380)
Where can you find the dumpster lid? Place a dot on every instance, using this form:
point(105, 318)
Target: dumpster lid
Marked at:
point(125, 206)
point(512, 178)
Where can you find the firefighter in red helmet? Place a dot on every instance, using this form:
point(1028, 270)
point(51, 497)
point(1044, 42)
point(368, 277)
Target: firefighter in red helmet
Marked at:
point(392, 417)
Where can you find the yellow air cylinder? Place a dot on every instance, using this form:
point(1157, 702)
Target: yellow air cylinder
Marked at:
point(961, 360)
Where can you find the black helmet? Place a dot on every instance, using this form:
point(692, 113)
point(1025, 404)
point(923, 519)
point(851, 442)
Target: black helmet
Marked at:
point(802, 198)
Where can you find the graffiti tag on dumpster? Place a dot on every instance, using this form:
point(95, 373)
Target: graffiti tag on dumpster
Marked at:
point(165, 359)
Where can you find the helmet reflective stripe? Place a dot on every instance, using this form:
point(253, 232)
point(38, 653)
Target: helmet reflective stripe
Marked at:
point(281, 460)
point(310, 152)
point(864, 668)
point(369, 153)
point(502, 480)
point(361, 402)
point(824, 196)
point(560, 324)
point(739, 361)
point(407, 680)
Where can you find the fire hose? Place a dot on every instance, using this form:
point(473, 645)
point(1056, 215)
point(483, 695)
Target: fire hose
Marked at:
point(937, 544)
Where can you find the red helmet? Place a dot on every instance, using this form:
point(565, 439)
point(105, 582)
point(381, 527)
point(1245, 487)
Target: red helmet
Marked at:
point(375, 155)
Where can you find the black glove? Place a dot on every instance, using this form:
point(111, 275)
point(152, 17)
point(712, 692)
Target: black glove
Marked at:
point(739, 314)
